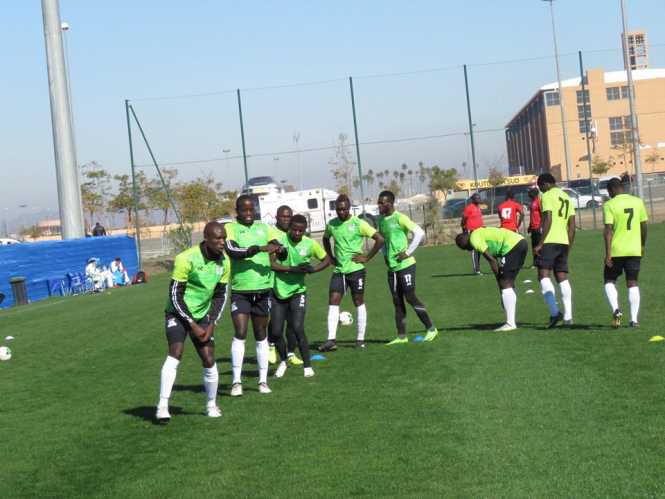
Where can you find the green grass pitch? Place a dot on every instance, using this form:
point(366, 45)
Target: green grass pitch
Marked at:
point(576, 412)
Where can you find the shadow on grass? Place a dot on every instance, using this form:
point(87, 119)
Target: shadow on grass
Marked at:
point(147, 413)
point(539, 326)
point(467, 274)
point(345, 344)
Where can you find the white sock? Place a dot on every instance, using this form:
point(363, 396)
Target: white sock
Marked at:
point(333, 320)
point(612, 295)
point(210, 383)
point(547, 288)
point(509, 299)
point(567, 299)
point(237, 357)
point(361, 318)
point(169, 371)
point(262, 360)
point(634, 300)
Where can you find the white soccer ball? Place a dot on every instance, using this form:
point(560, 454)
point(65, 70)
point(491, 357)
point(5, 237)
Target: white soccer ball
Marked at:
point(5, 353)
point(345, 318)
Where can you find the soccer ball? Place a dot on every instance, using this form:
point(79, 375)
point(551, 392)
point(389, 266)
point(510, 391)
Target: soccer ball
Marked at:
point(345, 318)
point(5, 353)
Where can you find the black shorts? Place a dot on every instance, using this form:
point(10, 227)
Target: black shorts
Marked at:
point(355, 281)
point(553, 256)
point(291, 310)
point(177, 330)
point(251, 303)
point(620, 264)
point(511, 264)
point(402, 281)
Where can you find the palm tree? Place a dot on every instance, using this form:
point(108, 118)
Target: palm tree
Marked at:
point(410, 172)
point(395, 174)
point(422, 175)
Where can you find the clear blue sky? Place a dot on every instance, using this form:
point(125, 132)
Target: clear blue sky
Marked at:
point(128, 49)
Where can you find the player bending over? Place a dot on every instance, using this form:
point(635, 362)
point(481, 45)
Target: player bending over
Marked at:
point(505, 251)
point(348, 233)
point(558, 224)
point(625, 219)
point(282, 220)
point(290, 293)
point(249, 244)
point(395, 227)
point(197, 295)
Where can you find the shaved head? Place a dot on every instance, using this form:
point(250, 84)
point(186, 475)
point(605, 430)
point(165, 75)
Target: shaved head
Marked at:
point(212, 228)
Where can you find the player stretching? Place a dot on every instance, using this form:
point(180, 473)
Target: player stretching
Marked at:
point(290, 292)
point(505, 251)
point(558, 224)
point(249, 245)
point(197, 295)
point(625, 219)
point(394, 227)
point(511, 213)
point(348, 232)
point(282, 220)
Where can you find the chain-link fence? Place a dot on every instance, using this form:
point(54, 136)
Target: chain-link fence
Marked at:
point(372, 132)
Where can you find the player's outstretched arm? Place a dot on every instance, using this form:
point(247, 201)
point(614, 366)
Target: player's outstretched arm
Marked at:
point(237, 253)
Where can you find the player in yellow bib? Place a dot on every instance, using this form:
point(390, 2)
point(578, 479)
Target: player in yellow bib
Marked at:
point(290, 293)
point(249, 244)
point(625, 220)
point(505, 251)
point(398, 255)
point(558, 234)
point(197, 295)
point(348, 233)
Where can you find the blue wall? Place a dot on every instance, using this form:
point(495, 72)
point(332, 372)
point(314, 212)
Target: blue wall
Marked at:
point(46, 261)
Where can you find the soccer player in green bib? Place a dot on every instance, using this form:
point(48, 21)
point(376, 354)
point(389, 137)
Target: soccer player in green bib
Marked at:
point(395, 227)
point(505, 251)
point(290, 293)
point(249, 244)
point(348, 233)
point(558, 234)
point(625, 220)
point(197, 295)
point(282, 221)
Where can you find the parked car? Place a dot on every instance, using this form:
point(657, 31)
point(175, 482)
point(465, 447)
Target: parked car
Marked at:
point(584, 200)
point(6, 241)
point(454, 208)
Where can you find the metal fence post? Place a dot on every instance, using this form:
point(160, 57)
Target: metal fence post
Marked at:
point(135, 191)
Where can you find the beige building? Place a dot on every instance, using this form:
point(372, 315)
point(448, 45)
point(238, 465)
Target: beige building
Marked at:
point(534, 137)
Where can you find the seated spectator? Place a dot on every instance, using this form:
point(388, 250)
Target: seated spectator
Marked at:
point(100, 277)
point(98, 230)
point(120, 276)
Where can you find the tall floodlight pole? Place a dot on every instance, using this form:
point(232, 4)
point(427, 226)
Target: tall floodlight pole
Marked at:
point(355, 133)
point(634, 128)
point(471, 125)
point(562, 106)
point(69, 193)
point(242, 136)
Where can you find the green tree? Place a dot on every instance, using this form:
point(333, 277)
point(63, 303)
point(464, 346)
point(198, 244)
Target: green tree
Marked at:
point(395, 187)
point(95, 189)
point(599, 166)
point(156, 195)
point(495, 178)
point(203, 199)
point(442, 180)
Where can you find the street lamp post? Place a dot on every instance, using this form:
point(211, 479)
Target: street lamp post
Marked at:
point(228, 164)
point(564, 124)
point(634, 128)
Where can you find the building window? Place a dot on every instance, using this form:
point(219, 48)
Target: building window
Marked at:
point(613, 93)
point(618, 93)
point(312, 203)
point(585, 126)
point(581, 114)
point(582, 95)
point(616, 123)
point(552, 98)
